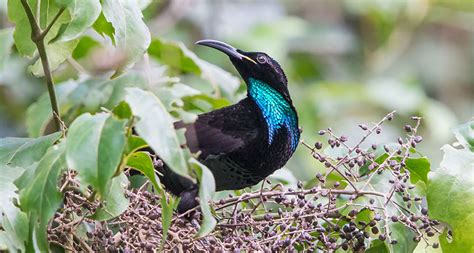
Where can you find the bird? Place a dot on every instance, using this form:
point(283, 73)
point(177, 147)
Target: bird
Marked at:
point(243, 143)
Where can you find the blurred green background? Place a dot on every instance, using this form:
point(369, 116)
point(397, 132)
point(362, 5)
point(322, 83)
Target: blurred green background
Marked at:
point(348, 62)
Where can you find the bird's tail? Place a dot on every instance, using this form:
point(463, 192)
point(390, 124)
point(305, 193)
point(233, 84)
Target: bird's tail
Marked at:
point(179, 186)
point(176, 184)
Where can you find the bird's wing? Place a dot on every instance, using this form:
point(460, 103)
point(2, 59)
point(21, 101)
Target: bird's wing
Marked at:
point(222, 131)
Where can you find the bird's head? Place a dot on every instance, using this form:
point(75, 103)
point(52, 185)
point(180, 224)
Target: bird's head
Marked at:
point(253, 65)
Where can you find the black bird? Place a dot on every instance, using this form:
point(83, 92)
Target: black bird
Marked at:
point(243, 143)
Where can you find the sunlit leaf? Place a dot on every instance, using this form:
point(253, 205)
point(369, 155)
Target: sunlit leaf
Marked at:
point(22, 34)
point(131, 34)
point(83, 14)
point(41, 198)
point(155, 126)
point(23, 152)
point(94, 149)
point(57, 52)
point(207, 187)
point(451, 197)
point(75, 97)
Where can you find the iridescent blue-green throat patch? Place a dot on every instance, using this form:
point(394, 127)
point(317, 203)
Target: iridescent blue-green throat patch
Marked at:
point(275, 109)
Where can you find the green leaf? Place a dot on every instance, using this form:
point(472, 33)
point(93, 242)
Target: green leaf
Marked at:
point(166, 215)
point(22, 34)
point(404, 237)
point(134, 143)
point(207, 187)
point(13, 221)
point(57, 52)
point(104, 27)
point(155, 126)
point(83, 14)
point(450, 196)
point(377, 246)
point(131, 33)
point(23, 152)
point(142, 162)
point(41, 198)
point(178, 56)
point(419, 169)
point(94, 149)
point(122, 111)
point(76, 97)
point(6, 43)
point(115, 201)
point(465, 135)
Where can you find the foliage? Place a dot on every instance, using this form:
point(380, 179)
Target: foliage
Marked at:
point(453, 183)
point(74, 169)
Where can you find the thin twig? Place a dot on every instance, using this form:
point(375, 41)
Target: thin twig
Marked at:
point(37, 36)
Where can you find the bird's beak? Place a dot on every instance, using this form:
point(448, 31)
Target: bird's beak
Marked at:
point(226, 49)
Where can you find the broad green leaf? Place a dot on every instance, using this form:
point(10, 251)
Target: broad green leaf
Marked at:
point(142, 162)
point(57, 52)
point(131, 33)
point(115, 201)
point(13, 221)
point(465, 135)
point(76, 97)
point(178, 56)
point(23, 152)
point(94, 149)
point(450, 195)
point(6, 43)
point(22, 34)
point(207, 187)
point(83, 14)
point(41, 198)
point(155, 126)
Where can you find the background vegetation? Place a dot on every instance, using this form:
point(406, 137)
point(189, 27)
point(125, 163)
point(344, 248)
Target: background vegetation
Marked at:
point(348, 62)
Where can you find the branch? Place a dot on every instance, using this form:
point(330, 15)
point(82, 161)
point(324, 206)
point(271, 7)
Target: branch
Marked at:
point(45, 32)
point(37, 36)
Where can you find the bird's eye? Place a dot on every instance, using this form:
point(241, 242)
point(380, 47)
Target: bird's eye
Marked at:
point(262, 59)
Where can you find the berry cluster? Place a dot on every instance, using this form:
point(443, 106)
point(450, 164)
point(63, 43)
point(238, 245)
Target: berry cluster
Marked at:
point(363, 195)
